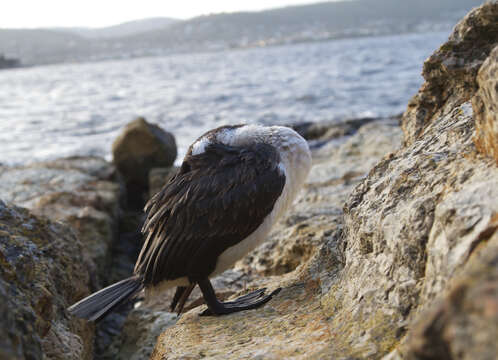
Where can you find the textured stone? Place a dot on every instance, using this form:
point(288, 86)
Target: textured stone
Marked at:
point(409, 269)
point(292, 326)
point(85, 193)
point(81, 191)
point(485, 105)
point(18, 338)
point(301, 256)
point(139, 148)
point(139, 335)
point(41, 273)
point(410, 227)
point(464, 325)
point(296, 239)
point(450, 73)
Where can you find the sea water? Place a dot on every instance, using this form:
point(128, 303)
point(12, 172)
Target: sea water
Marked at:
point(79, 109)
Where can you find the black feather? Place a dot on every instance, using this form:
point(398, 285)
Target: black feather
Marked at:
point(217, 199)
point(97, 305)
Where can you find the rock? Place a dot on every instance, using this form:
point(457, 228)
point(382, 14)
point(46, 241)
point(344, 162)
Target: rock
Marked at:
point(409, 228)
point(301, 256)
point(8, 63)
point(339, 166)
point(17, 333)
point(139, 148)
point(328, 130)
point(82, 191)
point(485, 105)
point(85, 193)
point(408, 270)
point(464, 324)
point(42, 271)
point(450, 73)
point(138, 338)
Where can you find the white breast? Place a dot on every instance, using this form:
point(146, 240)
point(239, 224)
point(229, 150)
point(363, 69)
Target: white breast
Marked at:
point(289, 193)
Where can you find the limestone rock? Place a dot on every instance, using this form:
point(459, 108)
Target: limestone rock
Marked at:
point(410, 227)
point(41, 273)
point(450, 73)
point(485, 105)
point(139, 148)
point(82, 191)
point(464, 324)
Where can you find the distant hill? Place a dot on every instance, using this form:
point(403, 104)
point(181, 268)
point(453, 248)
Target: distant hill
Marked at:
point(235, 30)
point(124, 29)
point(307, 22)
point(43, 46)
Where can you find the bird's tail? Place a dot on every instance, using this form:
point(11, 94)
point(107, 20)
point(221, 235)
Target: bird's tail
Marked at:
point(99, 304)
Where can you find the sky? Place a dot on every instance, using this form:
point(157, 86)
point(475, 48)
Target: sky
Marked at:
point(99, 13)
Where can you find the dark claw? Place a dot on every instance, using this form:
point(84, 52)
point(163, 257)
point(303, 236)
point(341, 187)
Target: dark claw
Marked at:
point(275, 292)
point(249, 301)
point(252, 295)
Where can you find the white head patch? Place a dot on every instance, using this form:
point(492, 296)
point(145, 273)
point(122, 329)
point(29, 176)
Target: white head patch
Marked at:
point(225, 136)
point(200, 145)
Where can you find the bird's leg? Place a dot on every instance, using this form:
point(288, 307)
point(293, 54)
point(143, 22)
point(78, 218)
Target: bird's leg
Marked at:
point(246, 302)
point(178, 293)
point(181, 295)
point(184, 297)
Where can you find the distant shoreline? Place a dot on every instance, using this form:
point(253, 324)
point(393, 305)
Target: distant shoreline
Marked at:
point(9, 63)
point(228, 48)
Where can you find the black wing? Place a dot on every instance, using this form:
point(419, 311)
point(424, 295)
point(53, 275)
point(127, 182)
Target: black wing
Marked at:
point(216, 200)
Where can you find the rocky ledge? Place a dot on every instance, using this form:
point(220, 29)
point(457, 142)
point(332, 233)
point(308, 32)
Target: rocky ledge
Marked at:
point(390, 252)
point(54, 253)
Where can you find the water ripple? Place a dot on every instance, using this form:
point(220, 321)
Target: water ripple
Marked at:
point(77, 109)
